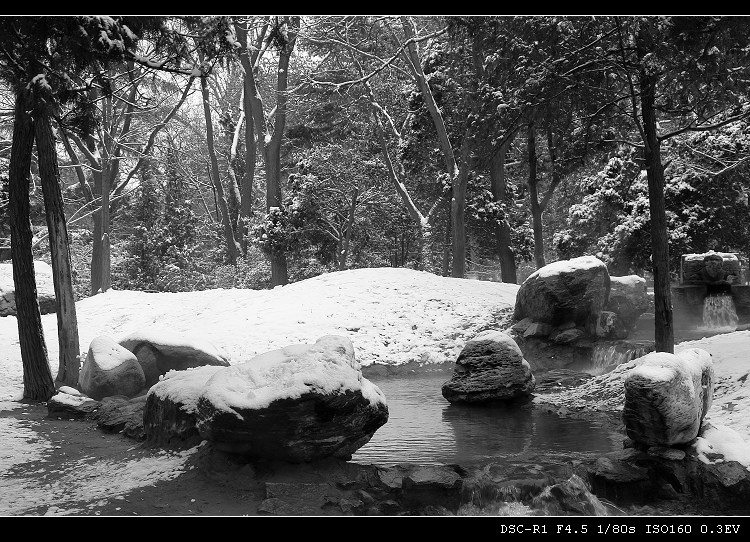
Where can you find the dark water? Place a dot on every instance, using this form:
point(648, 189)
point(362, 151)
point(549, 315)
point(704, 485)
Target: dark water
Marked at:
point(425, 428)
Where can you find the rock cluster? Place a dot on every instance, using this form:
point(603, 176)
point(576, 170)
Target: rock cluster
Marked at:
point(568, 301)
point(130, 366)
point(297, 404)
point(565, 308)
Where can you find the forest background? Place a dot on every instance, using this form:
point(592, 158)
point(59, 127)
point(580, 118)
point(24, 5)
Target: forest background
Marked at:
point(253, 151)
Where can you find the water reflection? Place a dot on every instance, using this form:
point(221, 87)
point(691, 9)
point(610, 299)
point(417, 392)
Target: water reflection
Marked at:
point(424, 428)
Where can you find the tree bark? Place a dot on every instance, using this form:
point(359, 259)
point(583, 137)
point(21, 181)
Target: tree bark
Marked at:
point(502, 230)
point(251, 153)
point(272, 149)
point(37, 377)
point(458, 210)
point(232, 246)
point(536, 208)
point(67, 321)
point(104, 262)
point(96, 249)
point(447, 246)
point(348, 235)
point(663, 317)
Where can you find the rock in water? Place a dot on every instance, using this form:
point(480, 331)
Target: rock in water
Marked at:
point(159, 351)
point(298, 404)
point(109, 370)
point(490, 367)
point(566, 290)
point(667, 396)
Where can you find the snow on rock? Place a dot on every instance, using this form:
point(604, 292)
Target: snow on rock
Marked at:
point(110, 369)
point(171, 405)
point(563, 291)
point(326, 367)
point(568, 266)
point(65, 405)
point(298, 403)
point(491, 367)
point(160, 350)
point(723, 444)
point(667, 396)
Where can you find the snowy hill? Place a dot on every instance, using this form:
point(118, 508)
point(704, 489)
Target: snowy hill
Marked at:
point(393, 316)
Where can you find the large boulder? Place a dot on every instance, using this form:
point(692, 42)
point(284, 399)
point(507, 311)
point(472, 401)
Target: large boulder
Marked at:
point(109, 370)
point(45, 289)
point(169, 418)
point(490, 367)
point(566, 290)
point(159, 351)
point(667, 396)
point(628, 298)
point(298, 404)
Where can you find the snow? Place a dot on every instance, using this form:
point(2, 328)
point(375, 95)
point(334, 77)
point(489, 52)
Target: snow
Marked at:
point(729, 410)
point(290, 372)
point(699, 257)
point(184, 387)
point(724, 441)
point(630, 281)
point(164, 337)
point(68, 399)
point(567, 266)
point(107, 354)
point(42, 271)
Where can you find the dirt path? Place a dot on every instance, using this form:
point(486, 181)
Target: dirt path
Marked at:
point(70, 467)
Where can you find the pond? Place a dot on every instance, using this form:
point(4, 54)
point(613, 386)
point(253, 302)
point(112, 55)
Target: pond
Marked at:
point(424, 428)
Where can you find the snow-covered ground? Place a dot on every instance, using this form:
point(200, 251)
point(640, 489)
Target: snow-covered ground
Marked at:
point(392, 316)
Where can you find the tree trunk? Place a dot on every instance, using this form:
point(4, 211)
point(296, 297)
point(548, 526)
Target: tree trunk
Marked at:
point(348, 235)
point(232, 247)
point(447, 240)
point(37, 377)
point(106, 276)
point(67, 321)
point(279, 273)
point(96, 249)
point(272, 149)
point(536, 209)
point(233, 190)
point(502, 230)
point(246, 192)
point(458, 210)
point(663, 318)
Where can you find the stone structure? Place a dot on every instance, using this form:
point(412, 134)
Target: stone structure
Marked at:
point(709, 274)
